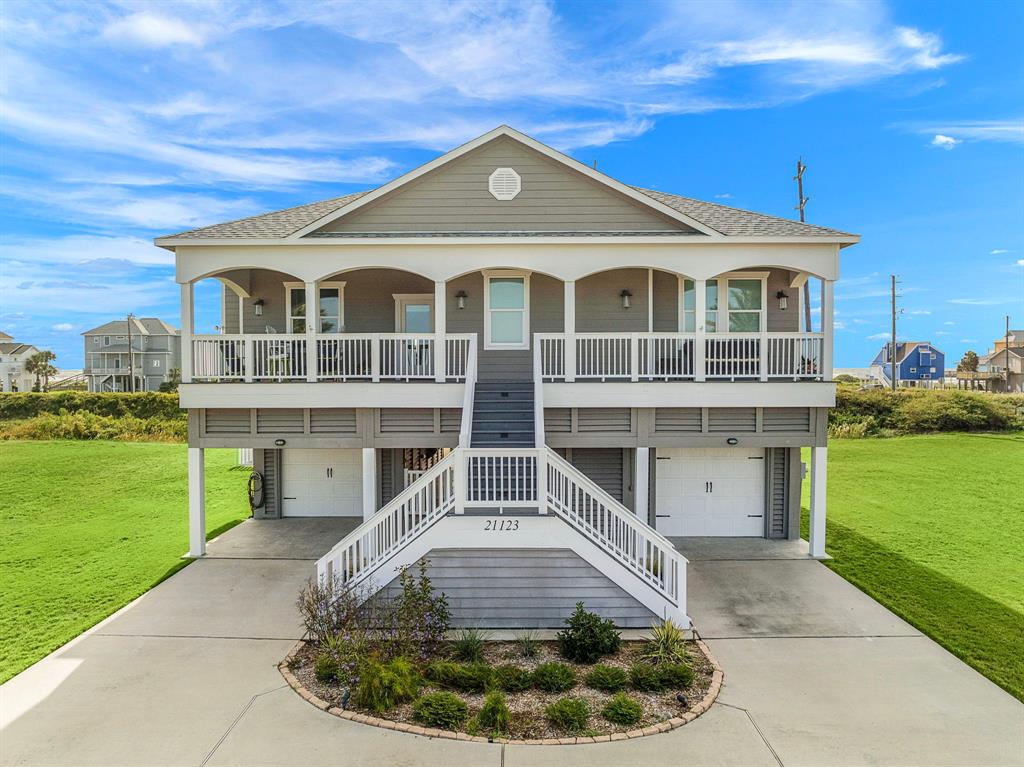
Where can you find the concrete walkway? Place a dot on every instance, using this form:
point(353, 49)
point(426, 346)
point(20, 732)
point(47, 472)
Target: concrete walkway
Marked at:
point(816, 673)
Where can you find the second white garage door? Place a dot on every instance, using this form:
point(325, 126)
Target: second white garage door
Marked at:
point(710, 491)
point(321, 483)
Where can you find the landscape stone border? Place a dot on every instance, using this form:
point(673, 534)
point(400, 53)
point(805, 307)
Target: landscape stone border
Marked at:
point(430, 732)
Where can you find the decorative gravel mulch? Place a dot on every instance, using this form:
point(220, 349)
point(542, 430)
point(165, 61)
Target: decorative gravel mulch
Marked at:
point(527, 708)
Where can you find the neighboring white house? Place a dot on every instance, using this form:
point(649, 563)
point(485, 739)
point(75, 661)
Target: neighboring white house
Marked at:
point(520, 368)
point(156, 351)
point(13, 355)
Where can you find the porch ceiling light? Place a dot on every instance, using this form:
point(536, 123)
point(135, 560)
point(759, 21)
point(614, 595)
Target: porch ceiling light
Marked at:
point(461, 297)
point(626, 295)
point(783, 299)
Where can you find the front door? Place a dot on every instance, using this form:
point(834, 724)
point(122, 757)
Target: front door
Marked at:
point(414, 313)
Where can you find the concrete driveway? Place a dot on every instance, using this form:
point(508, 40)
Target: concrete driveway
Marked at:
point(816, 673)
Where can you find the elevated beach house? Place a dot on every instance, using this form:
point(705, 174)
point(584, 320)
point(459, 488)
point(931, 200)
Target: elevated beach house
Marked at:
point(538, 377)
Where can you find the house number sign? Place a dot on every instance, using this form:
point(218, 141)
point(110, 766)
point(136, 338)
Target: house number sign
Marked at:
point(499, 525)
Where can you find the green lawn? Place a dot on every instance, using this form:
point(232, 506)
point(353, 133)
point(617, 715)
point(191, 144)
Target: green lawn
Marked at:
point(85, 527)
point(933, 528)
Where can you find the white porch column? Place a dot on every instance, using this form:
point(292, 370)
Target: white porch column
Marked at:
point(819, 477)
point(187, 329)
point(312, 328)
point(241, 314)
point(570, 330)
point(827, 327)
point(700, 306)
point(196, 503)
point(440, 328)
point(369, 482)
point(642, 483)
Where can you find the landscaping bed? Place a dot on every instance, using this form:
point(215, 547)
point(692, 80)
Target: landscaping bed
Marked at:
point(394, 661)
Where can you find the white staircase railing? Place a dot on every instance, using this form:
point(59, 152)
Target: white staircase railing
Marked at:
point(636, 545)
point(411, 512)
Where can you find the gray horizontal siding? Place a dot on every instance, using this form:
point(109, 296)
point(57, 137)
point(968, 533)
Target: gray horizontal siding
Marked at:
point(558, 419)
point(677, 420)
point(235, 421)
point(455, 198)
point(733, 419)
point(280, 421)
point(332, 421)
point(414, 420)
point(451, 419)
point(604, 419)
point(796, 419)
point(604, 465)
point(526, 588)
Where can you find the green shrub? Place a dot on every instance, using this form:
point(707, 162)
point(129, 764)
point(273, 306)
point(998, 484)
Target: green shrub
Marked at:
point(587, 637)
point(528, 644)
point(666, 645)
point(512, 678)
point(469, 645)
point(384, 685)
point(326, 668)
point(870, 412)
point(494, 716)
point(87, 426)
point(622, 710)
point(554, 677)
point(568, 714)
point(607, 678)
point(467, 677)
point(655, 677)
point(676, 675)
point(441, 710)
point(111, 404)
point(646, 677)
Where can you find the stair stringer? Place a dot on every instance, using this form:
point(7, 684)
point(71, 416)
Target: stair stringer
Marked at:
point(535, 531)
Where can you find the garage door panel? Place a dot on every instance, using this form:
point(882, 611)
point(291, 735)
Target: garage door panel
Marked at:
point(710, 491)
point(321, 483)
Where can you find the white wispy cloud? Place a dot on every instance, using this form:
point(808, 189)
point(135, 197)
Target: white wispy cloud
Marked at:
point(879, 336)
point(980, 301)
point(63, 327)
point(153, 30)
point(940, 141)
point(999, 251)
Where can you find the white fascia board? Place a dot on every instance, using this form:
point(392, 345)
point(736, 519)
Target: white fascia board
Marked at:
point(691, 394)
point(563, 260)
point(596, 239)
point(302, 395)
point(505, 130)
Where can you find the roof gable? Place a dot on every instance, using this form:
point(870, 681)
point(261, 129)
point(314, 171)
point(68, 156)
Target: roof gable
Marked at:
point(559, 194)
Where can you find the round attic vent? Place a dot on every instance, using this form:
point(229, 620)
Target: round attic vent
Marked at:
point(504, 184)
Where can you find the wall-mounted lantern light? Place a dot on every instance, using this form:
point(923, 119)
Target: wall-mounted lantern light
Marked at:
point(461, 297)
point(783, 299)
point(626, 295)
point(258, 304)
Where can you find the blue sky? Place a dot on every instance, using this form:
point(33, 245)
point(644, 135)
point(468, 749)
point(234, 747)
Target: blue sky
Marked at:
point(121, 121)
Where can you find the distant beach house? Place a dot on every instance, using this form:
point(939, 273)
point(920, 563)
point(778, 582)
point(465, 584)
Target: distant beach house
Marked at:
point(13, 355)
point(155, 352)
point(1002, 369)
point(918, 364)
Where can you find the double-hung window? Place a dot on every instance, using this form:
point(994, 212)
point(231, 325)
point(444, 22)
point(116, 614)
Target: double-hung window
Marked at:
point(331, 305)
point(506, 310)
point(745, 305)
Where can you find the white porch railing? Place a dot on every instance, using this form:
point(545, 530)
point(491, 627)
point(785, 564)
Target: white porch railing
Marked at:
point(673, 356)
point(410, 513)
point(339, 357)
point(529, 477)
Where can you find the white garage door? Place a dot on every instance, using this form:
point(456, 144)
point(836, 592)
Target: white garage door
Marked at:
point(710, 491)
point(321, 483)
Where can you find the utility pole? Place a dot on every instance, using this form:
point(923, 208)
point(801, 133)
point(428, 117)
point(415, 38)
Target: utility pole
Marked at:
point(801, 204)
point(131, 356)
point(892, 350)
point(1006, 355)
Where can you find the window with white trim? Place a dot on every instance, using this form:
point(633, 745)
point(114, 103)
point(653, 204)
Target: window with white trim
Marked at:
point(331, 306)
point(414, 312)
point(734, 303)
point(506, 310)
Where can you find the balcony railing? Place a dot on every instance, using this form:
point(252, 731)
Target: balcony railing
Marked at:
point(675, 356)
point(338, 357)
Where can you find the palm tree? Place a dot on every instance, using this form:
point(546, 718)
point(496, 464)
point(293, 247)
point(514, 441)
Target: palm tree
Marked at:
point(39, 366)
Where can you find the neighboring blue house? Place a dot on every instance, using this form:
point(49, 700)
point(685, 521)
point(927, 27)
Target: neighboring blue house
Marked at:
point(920, 364)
